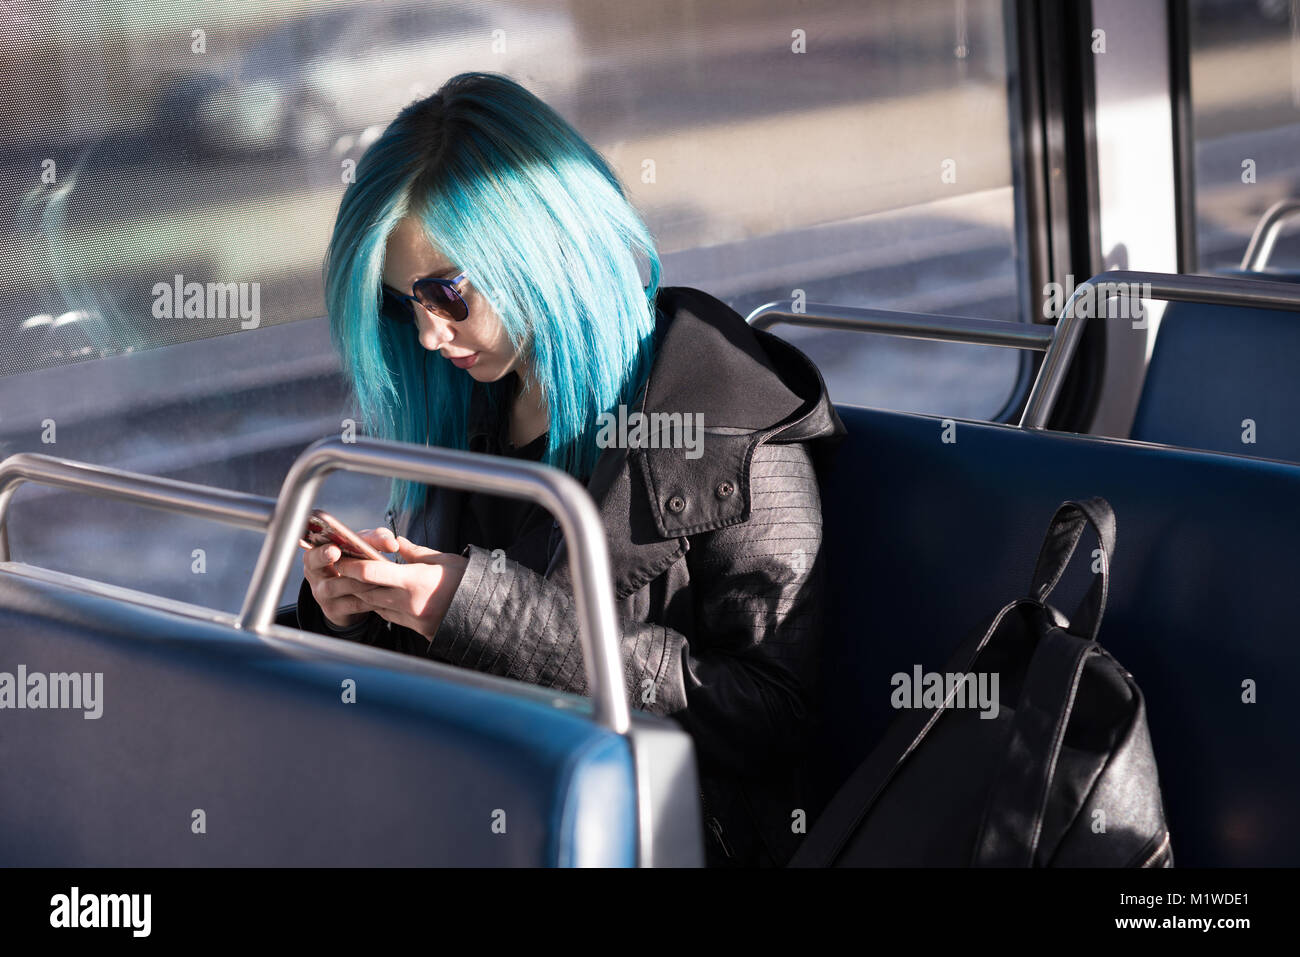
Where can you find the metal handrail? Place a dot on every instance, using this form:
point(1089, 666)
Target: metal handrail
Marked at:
point(554, 490)
point(171, 495)
point(1210, 290)
point(907, 325)
point(1263, 239)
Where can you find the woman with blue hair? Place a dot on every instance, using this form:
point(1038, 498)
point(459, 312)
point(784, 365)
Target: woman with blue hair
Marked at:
point(484, 293)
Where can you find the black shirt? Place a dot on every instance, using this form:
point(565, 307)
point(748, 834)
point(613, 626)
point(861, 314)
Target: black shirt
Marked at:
point(521, 529)
point(526, 532)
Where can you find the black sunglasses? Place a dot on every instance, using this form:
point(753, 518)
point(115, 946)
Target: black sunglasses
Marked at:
point(436, 295)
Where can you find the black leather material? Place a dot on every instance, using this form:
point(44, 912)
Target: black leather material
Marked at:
point(287, 615)
point(1213, 368)
point(1063, 534)
point(1051, 763)
point(716, 568)
point(1201, 601)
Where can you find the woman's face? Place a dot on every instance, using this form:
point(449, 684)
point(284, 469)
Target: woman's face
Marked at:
point(410, 256)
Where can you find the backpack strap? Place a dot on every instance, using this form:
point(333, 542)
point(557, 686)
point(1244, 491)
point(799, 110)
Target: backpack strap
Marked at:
point(1017, 802)
point(1063, 534)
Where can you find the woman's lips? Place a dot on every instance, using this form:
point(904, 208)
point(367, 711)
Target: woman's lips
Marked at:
point(466, 362)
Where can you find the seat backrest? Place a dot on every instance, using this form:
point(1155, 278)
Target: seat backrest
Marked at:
point(926, 539)
point(1215, 367)
point(215, 746)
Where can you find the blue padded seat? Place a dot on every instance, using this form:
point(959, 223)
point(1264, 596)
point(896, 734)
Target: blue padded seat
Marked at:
point(1213, 367)
point(253, 731)
point(925, 540)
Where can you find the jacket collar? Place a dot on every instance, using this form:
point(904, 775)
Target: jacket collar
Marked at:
point(747, 387)
point(704, 350)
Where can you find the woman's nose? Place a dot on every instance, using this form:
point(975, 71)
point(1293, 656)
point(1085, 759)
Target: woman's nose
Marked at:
point(434, 329)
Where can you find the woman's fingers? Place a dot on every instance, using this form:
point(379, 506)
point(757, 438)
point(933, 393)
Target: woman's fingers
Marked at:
point(345, 610)
point(338, 596)
point(319, 558)
point(382, 539)
point(347, 588)
point(412, 552)
point(380, 596)
point(340, 585)
point(331, 575)
point(372, 573)
point(391, 598)
point(415, 595)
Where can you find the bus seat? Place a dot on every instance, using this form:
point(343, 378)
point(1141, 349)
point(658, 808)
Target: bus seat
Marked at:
point(218, 747)
point(1213, 368)
point(926, 539)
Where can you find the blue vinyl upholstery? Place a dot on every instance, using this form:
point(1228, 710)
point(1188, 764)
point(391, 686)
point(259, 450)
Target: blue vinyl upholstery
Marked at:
point(926, 540)
point(1214, 367)
point(254, 732)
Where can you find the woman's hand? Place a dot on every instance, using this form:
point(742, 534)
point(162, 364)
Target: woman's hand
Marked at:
point(415, 595)
point(337, 595)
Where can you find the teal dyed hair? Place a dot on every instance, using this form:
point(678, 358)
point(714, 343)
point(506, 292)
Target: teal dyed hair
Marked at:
point(511, 194)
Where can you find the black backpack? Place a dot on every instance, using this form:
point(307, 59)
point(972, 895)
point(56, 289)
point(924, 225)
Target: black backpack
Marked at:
point(1054, 770)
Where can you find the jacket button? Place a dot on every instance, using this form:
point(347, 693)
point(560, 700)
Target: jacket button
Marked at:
point(724, 489)
point(676, 503)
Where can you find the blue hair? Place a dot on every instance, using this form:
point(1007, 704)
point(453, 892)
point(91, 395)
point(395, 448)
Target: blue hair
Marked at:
point(511, 194)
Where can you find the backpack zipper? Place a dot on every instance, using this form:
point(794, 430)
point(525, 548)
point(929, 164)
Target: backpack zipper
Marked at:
point(1161, 850)
point(714, 826)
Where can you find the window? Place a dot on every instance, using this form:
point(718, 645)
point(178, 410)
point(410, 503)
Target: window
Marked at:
point(857, 151)
point(1244, 65)
point(873, 169)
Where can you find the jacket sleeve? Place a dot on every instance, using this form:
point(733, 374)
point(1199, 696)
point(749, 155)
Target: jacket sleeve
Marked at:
point(741, 684)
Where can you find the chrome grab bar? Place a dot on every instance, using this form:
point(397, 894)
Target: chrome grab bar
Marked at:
point(549, 487)
point(552, 489)
point(907, 325)
point(1210, 290)
point(1267, 230)
point(171, 495)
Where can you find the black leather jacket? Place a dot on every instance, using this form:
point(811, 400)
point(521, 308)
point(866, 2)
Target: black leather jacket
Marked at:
point(717, 568)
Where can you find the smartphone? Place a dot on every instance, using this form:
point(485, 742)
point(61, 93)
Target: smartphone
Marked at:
point(324, 529)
